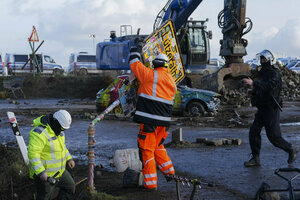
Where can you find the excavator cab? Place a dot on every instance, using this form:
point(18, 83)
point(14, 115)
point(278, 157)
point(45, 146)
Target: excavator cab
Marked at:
point(194, 43)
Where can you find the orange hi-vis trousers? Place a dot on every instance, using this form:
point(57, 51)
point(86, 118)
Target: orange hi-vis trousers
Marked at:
point(152, 151)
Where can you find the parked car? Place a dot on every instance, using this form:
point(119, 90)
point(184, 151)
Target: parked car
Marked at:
point(15, 62)
point(216, 61)
point(213, 65)
point(82, 64)
point(194, 102)
point(294, 66)
point(188, 101)
point(203, 70)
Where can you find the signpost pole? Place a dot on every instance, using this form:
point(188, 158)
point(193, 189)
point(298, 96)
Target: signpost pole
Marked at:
point(34, 38)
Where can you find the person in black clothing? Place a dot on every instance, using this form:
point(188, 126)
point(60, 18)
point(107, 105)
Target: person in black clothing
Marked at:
point(266, 97)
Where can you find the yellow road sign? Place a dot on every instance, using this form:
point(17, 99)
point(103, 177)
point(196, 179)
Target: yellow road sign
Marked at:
point(164, 40)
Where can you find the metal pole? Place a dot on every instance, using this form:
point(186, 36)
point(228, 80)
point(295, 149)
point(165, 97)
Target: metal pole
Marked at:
point(94, 42)
point(34, 59)
point(93, 37)
point(178, 190)
point(34, 52)
point(291, 190)
point(92, 141)
point(91, 144)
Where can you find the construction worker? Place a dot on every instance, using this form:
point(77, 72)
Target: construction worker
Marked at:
point(48, 156)
point(266, 97)
point(156, 92)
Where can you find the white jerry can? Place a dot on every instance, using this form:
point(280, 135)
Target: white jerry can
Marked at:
point(127, 158)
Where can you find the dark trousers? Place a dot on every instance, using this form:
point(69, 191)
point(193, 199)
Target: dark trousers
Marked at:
point(66, 185)
point(269, 118)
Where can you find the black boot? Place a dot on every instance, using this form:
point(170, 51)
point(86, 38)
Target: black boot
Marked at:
point(292, 155)
point(253, 162)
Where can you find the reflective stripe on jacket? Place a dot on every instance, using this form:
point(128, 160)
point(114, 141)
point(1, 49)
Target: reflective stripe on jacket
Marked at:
point(155, 95)
point(46, 151)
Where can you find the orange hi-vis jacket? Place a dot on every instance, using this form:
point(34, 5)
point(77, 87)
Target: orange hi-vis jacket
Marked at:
point(156, 93)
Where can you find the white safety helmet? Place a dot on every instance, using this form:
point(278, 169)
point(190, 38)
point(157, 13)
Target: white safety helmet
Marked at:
point(64, 118)
point(268, 55)
point(161, 60)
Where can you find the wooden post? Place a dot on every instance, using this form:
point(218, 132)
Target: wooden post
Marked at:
point(177, 135)
point(91, 157)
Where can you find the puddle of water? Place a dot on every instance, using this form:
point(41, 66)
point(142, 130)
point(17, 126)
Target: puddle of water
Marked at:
point(291, 124)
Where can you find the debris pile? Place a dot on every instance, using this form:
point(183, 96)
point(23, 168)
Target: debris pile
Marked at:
point(290, 90)
point(290, 84)
point(238, 97)
point(219, 141)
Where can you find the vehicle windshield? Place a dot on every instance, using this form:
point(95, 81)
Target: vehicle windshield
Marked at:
point(197, 40)
point(49, 59)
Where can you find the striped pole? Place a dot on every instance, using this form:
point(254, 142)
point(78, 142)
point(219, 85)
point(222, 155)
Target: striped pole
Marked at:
point(91, 144)
point(107, 110)
point(91, 157)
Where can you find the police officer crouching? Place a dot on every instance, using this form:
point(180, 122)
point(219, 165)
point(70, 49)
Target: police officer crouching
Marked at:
point(48, 156)
point(266, 97)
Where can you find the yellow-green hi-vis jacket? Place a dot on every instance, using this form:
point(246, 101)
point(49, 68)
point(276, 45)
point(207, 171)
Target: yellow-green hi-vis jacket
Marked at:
point(46, 151)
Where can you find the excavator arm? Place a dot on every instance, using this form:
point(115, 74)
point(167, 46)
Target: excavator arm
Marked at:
point(234, 24)
point(177, 10)
point(232, 20)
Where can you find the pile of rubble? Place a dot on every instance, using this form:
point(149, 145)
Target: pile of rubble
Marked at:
point(290, 84)
point(290, 90)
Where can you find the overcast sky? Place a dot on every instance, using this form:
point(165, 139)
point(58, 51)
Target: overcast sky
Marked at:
point(65, 25)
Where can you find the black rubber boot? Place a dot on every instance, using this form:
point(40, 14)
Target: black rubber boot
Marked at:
point(253, 162)
point(293, 155)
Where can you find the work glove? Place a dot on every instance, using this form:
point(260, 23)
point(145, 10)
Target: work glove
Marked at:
point(71, 164)
point(134, 55)
point(44, 176)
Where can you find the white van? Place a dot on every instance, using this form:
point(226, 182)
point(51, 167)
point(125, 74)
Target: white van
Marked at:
point(15, 64)
point(82, 64)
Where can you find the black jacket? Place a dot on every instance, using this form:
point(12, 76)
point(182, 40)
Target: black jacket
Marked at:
point(268, 85)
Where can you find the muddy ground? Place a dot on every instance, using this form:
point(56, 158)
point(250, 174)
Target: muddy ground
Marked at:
point(222, 165)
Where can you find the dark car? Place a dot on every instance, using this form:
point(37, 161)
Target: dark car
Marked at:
point(188, 101)
point(193, 102)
